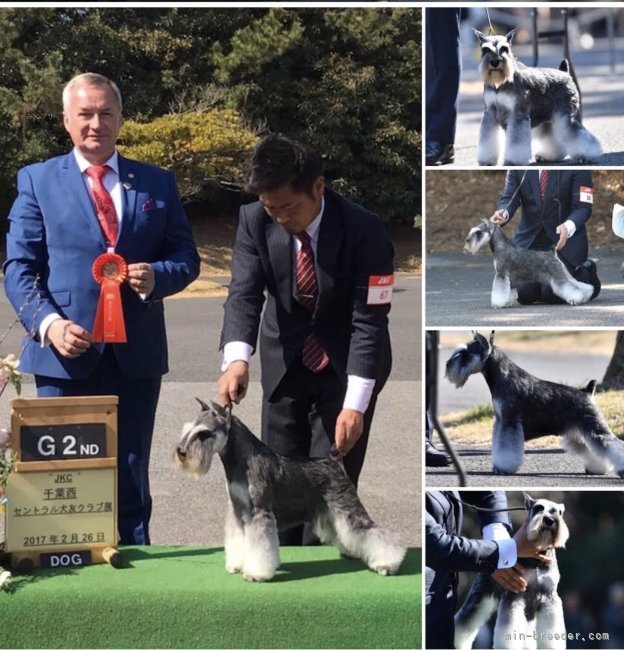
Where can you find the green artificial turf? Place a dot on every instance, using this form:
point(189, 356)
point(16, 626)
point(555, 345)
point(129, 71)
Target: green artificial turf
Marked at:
point(181, 597)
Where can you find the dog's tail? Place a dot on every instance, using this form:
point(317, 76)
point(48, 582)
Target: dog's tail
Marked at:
point(566, 66)
point(591, 387)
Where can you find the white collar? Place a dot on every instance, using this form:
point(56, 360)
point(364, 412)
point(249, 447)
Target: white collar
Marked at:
point(315, 224)
point(84, 164)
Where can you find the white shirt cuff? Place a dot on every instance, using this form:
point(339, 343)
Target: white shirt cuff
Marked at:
point(235, 351)
point(570, 227)
point(359, 393)
point(495, 531)
point(507, 553)
point(617, 220)
point(43, 328)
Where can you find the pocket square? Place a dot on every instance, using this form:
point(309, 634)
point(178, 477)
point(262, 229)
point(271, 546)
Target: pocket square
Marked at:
point(150, 204)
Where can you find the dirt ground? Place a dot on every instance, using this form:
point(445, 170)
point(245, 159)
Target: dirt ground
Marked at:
point(215, 239)
point(457, 200)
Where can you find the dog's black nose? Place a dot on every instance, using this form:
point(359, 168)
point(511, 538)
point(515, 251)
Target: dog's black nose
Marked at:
point(549, 521)
point(494, 63)
point(181, 453)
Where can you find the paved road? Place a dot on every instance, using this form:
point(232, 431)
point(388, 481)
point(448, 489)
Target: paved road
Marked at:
point(601, 89)
point(191, 511)
point(458, 287)
point(544, 466)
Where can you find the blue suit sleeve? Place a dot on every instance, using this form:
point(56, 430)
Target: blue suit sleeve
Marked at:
point(179, 263)
point(446, 552)
point(581, 211)
point(25, 268)
point(512, 182)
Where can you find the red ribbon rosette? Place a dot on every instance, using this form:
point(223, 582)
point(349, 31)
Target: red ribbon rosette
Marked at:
point(109, 271)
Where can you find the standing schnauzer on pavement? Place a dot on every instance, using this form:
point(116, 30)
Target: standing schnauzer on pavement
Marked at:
point(532, 618)
point(526, 408)
point(514, 266)
point(269, 493)
point(529, 103)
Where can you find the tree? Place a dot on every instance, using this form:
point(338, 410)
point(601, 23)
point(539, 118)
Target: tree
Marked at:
point(614, 375)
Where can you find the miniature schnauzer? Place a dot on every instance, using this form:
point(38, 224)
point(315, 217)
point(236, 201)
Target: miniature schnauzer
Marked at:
point(269, 492)
point(514, 266)
point(534, 615)
point(526, 408)
point(524, 102)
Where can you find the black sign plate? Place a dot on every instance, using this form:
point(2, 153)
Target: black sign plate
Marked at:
point(68, 560)
point(63, 442)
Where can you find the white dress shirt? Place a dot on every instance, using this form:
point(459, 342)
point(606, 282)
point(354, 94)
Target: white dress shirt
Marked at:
point(507, 548)
point(359, 389)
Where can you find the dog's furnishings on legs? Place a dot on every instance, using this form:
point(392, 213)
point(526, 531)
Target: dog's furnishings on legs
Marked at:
point(269, 492)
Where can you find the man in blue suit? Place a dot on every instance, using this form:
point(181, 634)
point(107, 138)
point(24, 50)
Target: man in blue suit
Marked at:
point(446, 553)
point(70, 210)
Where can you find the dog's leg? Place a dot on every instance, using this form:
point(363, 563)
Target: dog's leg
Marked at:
point(546, 147)
point(261, 547)
point(507, 443)
point(512, 630)
point(501, 292)
point(606, 446)
point(475, 611)
point(550, 623)
point(581, 145)
point(375, 546)
point(518, 140)
point(490, 139)
point(574, 443)
point(571, 290)
point(234, 541)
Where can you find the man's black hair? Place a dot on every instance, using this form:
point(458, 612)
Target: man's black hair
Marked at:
point(279, 160)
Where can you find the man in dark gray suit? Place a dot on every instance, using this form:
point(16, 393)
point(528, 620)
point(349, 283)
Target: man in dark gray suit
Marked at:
point(556, 205)
point(326, 265)
point(446, 553)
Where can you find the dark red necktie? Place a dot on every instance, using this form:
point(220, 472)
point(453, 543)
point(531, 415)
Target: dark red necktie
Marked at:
point(313, 356)
point(543, 182)
point(104, 206)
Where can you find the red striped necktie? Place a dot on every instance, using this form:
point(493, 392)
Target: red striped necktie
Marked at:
point(543, 182)
point(104, 206)
point(313, 357)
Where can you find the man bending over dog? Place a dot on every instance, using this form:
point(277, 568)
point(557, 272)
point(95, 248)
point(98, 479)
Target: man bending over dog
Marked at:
point(327, 267)
point(556, 205)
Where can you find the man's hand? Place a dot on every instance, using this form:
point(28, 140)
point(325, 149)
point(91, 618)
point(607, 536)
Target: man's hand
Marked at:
point(349, 427)
point(233, 383)
point(511, 579)
point(68, 338)
point(527, 548)
point(500, 217)
point(141, 278)
point(562, 231)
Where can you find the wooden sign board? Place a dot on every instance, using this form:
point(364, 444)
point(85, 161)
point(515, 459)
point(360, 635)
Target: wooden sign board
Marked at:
point(62, 493)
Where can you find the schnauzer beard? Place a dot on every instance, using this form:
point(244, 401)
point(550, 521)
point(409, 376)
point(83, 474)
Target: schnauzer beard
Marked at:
point(556, 535)
point(497, 76)
point(477, 238)
point(194, 455)
point(462, 364)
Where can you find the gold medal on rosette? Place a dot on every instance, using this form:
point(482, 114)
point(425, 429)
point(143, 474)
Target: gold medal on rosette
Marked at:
point(109, 271)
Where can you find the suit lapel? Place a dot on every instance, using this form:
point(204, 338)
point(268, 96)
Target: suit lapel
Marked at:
point(78, 194)
point(279, 243)
point(329, 243)
point(128, 177)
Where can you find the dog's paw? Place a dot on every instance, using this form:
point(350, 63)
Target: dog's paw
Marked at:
point(233, 568)
point(255, 577)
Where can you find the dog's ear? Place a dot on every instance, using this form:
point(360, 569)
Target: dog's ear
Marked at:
point(528, 501)
point(509, 35)
point(204, 406)
point(480, 35)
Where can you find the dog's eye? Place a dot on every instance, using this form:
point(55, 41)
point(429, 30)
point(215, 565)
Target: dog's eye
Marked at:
point(204, 435)
point(503, 50)
point(538, 508)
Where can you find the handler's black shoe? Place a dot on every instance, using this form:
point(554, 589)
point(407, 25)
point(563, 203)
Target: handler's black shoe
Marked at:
point(437, 153)
point(434, 457)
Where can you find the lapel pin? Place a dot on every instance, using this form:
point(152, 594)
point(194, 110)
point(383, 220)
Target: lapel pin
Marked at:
point(130, 175)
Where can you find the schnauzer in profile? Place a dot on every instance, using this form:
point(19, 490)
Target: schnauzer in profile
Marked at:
point(531, 616)
point(514, 266)
point(269, 493)
point(539, 104)
point(526, 408)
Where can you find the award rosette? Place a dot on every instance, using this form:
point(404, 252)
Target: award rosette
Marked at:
point(109, 271)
